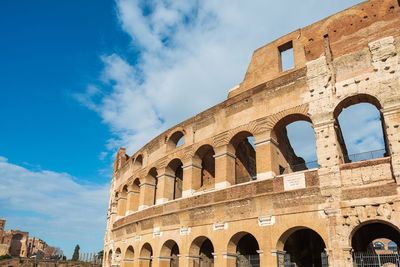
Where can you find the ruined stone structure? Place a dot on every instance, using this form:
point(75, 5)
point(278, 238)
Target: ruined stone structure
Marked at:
point(18, 243)
point(217, 200)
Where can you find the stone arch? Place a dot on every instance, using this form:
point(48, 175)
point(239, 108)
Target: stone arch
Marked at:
point(174, 139)
point(286, 159)
point(170, 250)
point(246, 247)
point(124, 191)
point(146, 255)
point(351, 101)
point(134, 195)
point(151, 179)
point(117, 256)
point(362, 235)
point(174, 169)
point(204, 157)
point(245, 162)
point(304, 246)
point(138, 163)
point(129, 253)
point(203, 248)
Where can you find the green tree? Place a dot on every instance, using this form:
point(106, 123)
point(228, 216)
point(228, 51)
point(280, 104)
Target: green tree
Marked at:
point(100, 254)
point(75, 256)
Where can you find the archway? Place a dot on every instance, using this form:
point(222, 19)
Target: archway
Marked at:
point(169, 254)
point(134, 195)
point(295, 143)
point(129, 257)
point(175, 169)
point(205, 156)
point(117, 257)
point(146, 255)
point(303, 247)
point(151, 178)
point(202, 251)
point(246, 247)
point(360, 128)
point(245, 161)
point(370, 241)
point(177, 139)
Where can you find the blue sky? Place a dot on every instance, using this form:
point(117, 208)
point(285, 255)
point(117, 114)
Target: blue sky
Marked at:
point(82, 78)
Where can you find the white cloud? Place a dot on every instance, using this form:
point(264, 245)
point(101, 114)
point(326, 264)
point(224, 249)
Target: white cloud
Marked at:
point(53, 206)
point(190, 54)
point(362, 128)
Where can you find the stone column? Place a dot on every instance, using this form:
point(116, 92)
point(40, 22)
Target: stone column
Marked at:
point(164, 261)
point(230, 259)
point(128, 263)
point(191, 177)
point(266, 158)
point(328, 153)
point(165, 186)
point(133, 200)
point(146, 198)
point(391, 117)
point(191, 260)
point(121, 208)
point(144, 262)
point(277, 257)
point(224, 166)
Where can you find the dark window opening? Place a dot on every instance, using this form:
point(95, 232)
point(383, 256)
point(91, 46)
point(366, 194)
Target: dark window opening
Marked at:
point(286, 56)
point(245, 161)
point(305, 247)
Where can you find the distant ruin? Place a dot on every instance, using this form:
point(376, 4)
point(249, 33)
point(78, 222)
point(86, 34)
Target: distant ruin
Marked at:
point(20, 244)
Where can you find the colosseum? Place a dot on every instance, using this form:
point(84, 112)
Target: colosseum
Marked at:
point(225, 188)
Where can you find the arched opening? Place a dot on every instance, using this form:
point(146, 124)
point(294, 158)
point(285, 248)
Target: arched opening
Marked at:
point(245, 246)
point(295, 144)
point(129, 254)
point(170, 250)
point(175, 168)
point(205, 155)
point(202, 249)
point(16, 245)
point(121, 207)
point(177, 139)
point(117, 258)
point(109, 258)
point(303, 246)
point(245, 161)
point(152, 179)
point(146, 255)
point(134, 195)
point(375, 242)
point(139, 161)
point(360, 128)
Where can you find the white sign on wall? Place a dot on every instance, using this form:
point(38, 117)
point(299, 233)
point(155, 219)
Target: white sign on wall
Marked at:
point(294, 181)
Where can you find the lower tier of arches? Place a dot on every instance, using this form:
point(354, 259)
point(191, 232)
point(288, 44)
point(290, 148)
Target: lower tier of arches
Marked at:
point(305, 239)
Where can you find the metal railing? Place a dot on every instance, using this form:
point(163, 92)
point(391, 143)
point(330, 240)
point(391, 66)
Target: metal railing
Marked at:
point(374, 154)
point(248, 261)
point(369, 259)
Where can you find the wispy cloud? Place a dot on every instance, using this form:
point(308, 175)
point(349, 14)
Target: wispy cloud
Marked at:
point(54, 206)
point(190, 53)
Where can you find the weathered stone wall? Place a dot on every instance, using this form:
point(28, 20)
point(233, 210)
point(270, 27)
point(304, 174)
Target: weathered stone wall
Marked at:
point(351, 57)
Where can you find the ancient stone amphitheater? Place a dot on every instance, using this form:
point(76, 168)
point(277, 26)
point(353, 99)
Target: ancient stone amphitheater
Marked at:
point(225, 188)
